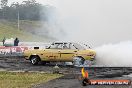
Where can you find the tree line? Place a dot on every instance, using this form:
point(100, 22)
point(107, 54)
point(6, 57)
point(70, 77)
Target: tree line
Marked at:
point(27, 10)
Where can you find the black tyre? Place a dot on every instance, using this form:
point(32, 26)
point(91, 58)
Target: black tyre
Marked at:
point(34, 60)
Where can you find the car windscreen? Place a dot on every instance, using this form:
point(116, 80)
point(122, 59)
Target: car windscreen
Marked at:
point(78, 46)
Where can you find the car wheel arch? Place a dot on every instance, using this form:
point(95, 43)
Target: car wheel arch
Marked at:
point(78, 60)
point(34, 56)
point(79, 57)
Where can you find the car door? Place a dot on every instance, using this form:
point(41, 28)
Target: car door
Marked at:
point(55, 55)
point(67, 53)
point(54, 52)
point(57, 52)
point(47, 55)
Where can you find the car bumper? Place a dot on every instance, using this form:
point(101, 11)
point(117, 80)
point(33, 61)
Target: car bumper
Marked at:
point(26, 57)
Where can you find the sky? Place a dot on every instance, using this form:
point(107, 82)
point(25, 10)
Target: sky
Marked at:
point(94, 21)
point(97, 21)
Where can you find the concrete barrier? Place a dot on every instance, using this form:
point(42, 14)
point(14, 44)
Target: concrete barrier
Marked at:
point(18, 50)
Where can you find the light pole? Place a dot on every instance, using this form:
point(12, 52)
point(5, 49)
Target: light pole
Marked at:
point(18, 22)
point(18, 17)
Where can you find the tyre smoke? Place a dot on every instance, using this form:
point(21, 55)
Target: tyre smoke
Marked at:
point(115, 54)
point(93, 21)
point(98, 22)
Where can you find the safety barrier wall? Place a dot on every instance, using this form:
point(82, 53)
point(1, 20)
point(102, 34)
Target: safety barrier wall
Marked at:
point(18, 50)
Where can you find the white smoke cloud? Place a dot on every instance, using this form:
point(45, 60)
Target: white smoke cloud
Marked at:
point(50, 24)
point(98, 22)
point(95, 21)
point(119, 54)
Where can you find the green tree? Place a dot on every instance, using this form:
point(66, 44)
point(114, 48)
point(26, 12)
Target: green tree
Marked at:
point(3, 6)
point(28, 10)
point(4, 3)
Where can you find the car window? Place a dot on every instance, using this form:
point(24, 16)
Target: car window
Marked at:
point(66, 46)
point(56, 46)
point(53, 46)
point(60, 46)
point(78, 46)
point(71, 46)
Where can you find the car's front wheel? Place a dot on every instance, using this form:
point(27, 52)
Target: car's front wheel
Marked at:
point(34, 60)
point(77, 61)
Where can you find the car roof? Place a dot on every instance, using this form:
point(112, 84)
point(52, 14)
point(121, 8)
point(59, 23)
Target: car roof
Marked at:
point(62, 42)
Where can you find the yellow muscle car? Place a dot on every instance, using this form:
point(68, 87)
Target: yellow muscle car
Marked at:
point(60, 52)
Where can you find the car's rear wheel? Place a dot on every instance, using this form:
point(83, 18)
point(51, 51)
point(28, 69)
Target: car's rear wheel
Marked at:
point(34, 60)
point(77, 61)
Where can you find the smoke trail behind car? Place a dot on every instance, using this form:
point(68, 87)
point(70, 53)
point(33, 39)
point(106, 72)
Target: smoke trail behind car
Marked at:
point(115, 54)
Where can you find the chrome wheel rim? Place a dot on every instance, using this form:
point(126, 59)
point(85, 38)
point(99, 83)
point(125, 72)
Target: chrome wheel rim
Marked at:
point(33, 60)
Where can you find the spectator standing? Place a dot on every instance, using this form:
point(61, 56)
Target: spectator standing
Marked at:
point(3, 41)
point(16, 41)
